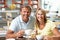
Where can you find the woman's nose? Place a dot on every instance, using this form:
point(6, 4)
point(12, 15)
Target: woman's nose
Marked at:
point(40, 15)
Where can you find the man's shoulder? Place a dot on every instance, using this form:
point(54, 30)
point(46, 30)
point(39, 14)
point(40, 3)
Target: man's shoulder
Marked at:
point(17, 18)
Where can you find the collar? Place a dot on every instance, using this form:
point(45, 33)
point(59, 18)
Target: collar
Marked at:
point(22, 20)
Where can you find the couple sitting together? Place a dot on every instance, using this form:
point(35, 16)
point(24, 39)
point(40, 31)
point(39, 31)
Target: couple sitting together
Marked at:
point(40, 25)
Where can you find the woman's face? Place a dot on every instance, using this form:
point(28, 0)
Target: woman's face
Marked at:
point(40, 16)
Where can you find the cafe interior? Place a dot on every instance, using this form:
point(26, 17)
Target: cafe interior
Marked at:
point(9, 9)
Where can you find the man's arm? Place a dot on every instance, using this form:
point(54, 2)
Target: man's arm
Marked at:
point(11, 34)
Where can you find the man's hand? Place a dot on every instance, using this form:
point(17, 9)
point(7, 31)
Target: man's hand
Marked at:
point(20, 33)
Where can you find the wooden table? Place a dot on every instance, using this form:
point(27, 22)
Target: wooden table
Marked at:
point(2, 38)
point(55, 38)
point(21, 39)
point(25, 39)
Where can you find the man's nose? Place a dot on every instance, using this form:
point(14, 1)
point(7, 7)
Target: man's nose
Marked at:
point(26, 13)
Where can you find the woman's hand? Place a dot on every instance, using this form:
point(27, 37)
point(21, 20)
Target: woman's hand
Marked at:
point(33, 34)
point(47, 38)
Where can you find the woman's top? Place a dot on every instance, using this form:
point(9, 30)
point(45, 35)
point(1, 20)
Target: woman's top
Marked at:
point(47, 30)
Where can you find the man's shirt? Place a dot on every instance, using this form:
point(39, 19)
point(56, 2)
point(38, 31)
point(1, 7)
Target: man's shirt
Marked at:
point(18, 24)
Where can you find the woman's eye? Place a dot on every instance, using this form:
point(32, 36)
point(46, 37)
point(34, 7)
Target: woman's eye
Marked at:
point(40, 14)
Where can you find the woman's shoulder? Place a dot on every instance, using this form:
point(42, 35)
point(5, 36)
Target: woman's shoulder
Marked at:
point(49, 21)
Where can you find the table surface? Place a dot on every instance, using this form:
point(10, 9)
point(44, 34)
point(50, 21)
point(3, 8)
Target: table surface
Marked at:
point(3, 38)
point(25, 39)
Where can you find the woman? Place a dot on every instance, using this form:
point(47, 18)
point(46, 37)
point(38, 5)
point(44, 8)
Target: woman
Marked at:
point(45, 27)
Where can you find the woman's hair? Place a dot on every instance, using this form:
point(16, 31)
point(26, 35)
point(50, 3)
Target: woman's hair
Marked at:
point(44, 13)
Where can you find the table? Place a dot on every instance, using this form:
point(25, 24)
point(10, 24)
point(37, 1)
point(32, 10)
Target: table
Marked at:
point(2, 38)
point(55, 38)
point(21, 39)
point(25, 39)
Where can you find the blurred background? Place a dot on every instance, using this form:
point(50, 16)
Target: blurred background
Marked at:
point(9, 9)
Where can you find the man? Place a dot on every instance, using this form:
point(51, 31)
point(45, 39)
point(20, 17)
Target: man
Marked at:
point(20, 23)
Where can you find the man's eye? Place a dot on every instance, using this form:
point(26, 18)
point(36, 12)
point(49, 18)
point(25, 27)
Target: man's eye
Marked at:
point(27, 12)
point(24, 11)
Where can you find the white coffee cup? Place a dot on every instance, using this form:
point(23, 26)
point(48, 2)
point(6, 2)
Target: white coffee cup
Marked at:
point(28, 31)
point(39, 37)
point(10, 39)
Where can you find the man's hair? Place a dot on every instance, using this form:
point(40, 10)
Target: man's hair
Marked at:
point(28, 7)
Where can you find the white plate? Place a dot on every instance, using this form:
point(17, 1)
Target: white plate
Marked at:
point(10, 39)
point(27, 36)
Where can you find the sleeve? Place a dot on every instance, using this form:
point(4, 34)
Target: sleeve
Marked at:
point(53, 25)
point(13, 25)
point(35, 26)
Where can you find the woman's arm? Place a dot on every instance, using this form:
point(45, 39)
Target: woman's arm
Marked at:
point(56, 32)
point(56, 35)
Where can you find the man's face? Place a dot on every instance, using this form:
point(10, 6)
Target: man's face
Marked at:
point(25, 13)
